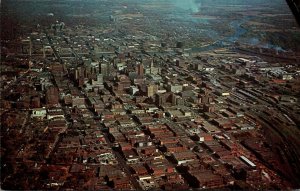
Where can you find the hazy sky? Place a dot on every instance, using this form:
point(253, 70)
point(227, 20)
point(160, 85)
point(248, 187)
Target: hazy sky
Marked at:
point(187, 4)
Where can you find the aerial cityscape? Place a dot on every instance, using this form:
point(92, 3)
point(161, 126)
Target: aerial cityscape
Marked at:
point(150, 95)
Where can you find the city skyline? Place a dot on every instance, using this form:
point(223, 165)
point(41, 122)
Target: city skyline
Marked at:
point(141, 95)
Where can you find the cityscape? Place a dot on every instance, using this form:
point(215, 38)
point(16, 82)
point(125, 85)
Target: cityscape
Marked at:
point(149, 95)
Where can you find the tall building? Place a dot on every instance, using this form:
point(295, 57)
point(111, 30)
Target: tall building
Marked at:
point(105, 68)
point(79, 72)
point(35, 102)
point(154, 70)
point(140, 69)
point(52, 96)
point(98, 84)
point(79, 76)
point(151, 90)
point(174, 88)
point(160, 99)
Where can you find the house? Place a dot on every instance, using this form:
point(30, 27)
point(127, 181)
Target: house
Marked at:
point(130, 156)
point(139, 169)
point(184, 157)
